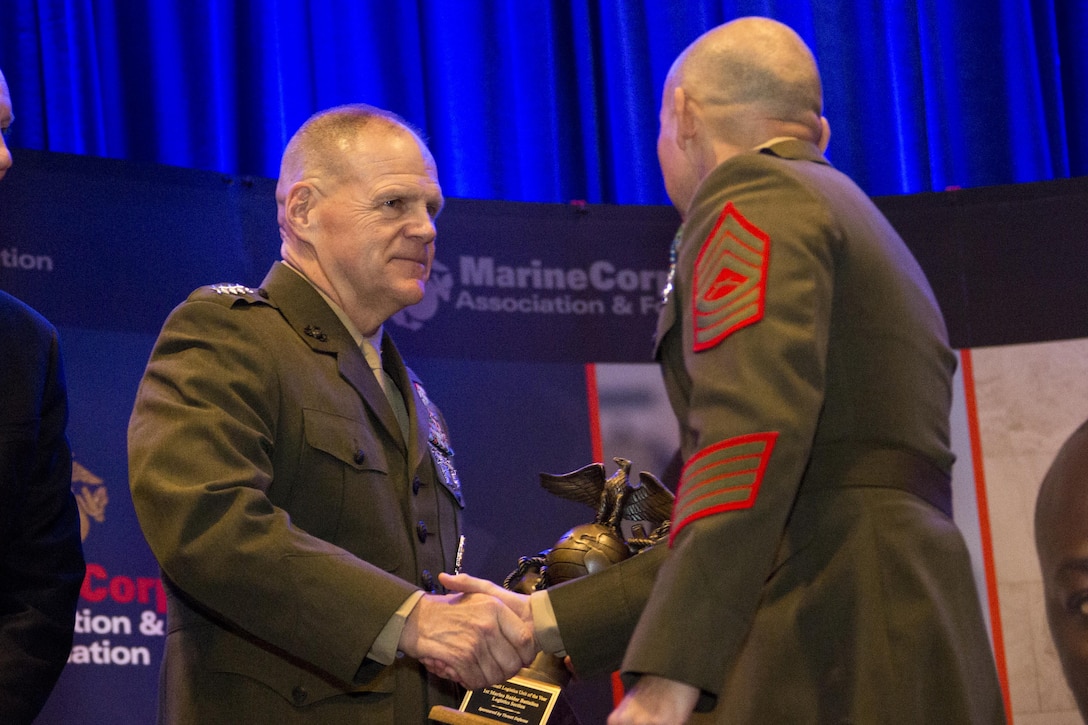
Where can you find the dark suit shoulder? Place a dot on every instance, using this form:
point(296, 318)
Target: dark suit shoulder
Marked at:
point(31, 348)
point(20, 319)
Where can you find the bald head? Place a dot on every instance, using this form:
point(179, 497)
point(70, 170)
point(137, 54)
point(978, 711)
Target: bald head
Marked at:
point(736, 87)
point(1061, 539)
point(755, 78)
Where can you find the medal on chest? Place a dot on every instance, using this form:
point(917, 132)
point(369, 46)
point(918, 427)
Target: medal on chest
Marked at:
point(439, 442)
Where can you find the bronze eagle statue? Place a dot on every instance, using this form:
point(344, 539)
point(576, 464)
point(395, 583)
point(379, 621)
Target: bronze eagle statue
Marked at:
point(614, 497)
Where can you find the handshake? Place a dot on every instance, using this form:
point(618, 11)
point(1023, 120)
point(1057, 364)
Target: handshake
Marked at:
point(479, 635)
point(483, 633)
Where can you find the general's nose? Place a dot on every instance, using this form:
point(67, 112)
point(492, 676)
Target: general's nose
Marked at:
point(421, 226)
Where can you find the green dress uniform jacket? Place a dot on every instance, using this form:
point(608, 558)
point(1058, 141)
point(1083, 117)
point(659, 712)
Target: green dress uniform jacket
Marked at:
point(289, 514)
point(814, 574)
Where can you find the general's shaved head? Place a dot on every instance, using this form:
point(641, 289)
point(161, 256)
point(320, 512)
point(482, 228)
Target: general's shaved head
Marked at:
point(319, 149)
point(749, 74)
point(356, 203)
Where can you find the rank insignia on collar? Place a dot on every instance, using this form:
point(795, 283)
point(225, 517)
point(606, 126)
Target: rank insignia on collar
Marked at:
point(730, 281)
point(441, 451)
point(233, 289)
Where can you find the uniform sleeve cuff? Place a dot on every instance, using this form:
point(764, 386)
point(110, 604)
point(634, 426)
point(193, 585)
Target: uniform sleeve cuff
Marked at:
point(384, 649)
point(545, 626)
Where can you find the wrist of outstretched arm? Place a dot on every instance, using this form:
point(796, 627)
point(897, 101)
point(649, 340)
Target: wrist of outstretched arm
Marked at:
point(545, 625)
point(388, 642)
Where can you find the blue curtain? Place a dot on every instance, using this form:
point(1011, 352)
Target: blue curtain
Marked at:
point(538, 100)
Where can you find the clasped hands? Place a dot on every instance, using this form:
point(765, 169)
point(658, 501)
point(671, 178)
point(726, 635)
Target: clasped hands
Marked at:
point(479, 635)
point(483, 634)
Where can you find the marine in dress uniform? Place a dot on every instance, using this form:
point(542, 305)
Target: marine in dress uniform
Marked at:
point(293, 478)
point(290, 513)
point(814, 573)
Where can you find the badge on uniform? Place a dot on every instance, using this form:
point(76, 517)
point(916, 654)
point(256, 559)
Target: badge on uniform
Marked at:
point(724, 476)
point(730, 279)
point(233, 289)
point(441, 451)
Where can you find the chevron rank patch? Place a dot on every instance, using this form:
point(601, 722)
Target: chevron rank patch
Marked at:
point(723, 477)
point(730, 278)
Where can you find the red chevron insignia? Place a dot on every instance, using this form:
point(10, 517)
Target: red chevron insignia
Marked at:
point(725, 476)
point(730, 278)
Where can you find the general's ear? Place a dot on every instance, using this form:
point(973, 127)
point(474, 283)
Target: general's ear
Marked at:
point(299, 204)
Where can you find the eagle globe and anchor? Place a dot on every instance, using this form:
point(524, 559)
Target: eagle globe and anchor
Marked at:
point(631, 518)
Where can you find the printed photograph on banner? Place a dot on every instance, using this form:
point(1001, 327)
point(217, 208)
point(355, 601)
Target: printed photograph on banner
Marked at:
point(637, 422)
point(1027, 400)
point(1030, 398)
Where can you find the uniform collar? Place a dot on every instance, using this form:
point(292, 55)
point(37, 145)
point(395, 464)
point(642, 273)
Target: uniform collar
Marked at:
point(375, 340)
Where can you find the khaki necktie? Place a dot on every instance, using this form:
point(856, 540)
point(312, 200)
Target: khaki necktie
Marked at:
point(389, 386)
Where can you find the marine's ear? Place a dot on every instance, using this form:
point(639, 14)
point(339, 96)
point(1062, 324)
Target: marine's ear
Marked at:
point(825, 134)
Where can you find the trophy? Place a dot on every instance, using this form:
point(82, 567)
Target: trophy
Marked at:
point(631, 517)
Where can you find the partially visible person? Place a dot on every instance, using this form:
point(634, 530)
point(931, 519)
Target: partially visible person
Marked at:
point(291, 475)
point(6, 118)
point(814, 573)
point(1061, 541)
point(41, 558)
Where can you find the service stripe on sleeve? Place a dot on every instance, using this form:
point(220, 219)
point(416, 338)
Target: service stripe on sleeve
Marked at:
point(730, 278)
point(723, 477)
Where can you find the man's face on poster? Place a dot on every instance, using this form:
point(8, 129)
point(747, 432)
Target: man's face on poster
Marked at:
point(1062, 541)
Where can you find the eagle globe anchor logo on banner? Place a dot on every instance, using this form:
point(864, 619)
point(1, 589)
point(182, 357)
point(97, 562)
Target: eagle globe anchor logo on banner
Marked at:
point(624, 513)
point(437, 290)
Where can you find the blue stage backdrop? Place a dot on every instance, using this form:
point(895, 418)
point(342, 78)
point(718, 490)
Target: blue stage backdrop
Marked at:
point(545, 101)
point(523, 298)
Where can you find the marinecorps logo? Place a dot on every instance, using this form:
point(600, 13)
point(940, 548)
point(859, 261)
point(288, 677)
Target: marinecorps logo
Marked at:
point(483, 285)
point(438, 289)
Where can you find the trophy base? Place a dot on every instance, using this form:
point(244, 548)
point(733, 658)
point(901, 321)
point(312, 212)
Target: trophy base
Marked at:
point(561, 715)
point(517, 700)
